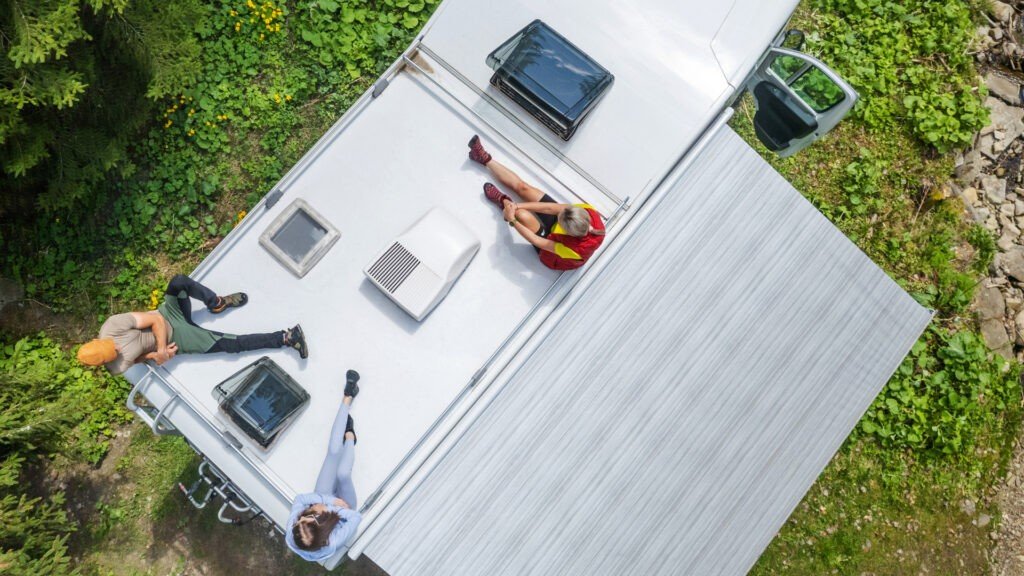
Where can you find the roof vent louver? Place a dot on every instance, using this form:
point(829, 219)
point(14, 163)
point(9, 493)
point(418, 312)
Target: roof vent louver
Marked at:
point(393, 268)
point(419, 268)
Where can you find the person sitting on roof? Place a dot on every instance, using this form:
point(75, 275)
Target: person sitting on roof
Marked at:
point(564, 235)
point(324, 520)
point(158, 335)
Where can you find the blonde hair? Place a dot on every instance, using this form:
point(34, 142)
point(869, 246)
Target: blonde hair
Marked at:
point(575, 220)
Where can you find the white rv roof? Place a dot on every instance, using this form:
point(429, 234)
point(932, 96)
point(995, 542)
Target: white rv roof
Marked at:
point(715, 383)
point(673, 62)
point(405, 155)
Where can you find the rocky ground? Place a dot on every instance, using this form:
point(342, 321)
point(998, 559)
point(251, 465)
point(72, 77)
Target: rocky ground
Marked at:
point(991, 184)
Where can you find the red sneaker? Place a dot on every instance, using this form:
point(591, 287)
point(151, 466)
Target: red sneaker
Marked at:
point(492, 193)
point(477, 153)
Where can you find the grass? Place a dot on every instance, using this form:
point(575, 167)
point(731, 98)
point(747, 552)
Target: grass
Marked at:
point(141, 524)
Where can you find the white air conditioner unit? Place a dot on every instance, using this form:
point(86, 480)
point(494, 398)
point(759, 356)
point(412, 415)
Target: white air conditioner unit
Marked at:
point(419, 267)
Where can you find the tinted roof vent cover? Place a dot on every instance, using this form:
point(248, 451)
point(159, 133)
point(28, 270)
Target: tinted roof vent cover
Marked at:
point(556, 82)
point(261, 399)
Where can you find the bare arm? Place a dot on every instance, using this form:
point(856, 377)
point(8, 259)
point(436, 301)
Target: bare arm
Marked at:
point(543, 207)
point(509, 213)
point(155, 322)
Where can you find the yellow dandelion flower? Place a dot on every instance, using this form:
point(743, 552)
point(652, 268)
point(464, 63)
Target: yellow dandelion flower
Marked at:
point(261, 36)
point(233, 13)
point(288, 97)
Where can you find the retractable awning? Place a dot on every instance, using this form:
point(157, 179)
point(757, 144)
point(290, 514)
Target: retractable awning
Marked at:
point(678, 412)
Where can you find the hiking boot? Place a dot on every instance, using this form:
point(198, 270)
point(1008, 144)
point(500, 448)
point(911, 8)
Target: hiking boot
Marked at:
point(492, 193)
point(351, 388)
point(236, 300)
point(476, 151)
point(293, 338)
point(350, 427)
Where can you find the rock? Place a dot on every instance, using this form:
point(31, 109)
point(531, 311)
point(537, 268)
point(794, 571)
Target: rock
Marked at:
point(996, 34)
point(999, 135)
point(994, 187)
point(1002, 88)
point(983, 520)
point(1013, 304)
point(973, 165)
point(10, 292)
point(986, 144)
point(1018, 207)
point(1006, 241)
point(967, 507)
point(1010, 49)
point(998, 147)
point(1013, 262)
point(982, 215)
point(1018, 323)
point(1004, 117)
point(1007, 226)
point(970, 196)
point(996, 337)
point(989, 303)
point(1001, 10)
point(1007, 209)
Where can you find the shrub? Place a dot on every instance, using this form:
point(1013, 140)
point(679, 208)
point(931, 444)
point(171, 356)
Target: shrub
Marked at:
point(947, 393)
point(47, 404)
point(911, 63)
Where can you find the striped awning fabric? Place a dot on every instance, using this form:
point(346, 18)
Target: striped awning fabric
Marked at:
point(675, 417)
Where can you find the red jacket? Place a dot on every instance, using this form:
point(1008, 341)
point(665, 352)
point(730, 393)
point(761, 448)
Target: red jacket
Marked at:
point(571, 252)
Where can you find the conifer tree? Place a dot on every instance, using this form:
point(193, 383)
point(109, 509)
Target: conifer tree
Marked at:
point(78, 79)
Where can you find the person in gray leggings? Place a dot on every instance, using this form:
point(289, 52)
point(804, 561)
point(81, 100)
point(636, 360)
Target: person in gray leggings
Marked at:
point(324, 520)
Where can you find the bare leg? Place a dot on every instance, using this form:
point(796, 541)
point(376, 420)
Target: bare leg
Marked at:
point(512, 181)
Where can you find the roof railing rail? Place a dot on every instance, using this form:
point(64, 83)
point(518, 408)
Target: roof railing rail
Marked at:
point(507, 114)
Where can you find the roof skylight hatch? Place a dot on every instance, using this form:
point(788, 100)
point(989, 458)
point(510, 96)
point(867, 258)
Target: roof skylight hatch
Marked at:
point(556, 82)
point(261, 399)
point(299, 237)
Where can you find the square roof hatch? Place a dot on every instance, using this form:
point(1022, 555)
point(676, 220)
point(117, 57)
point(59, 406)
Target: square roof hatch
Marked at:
point(549, 76)
point(261, 399)
point(299, 237)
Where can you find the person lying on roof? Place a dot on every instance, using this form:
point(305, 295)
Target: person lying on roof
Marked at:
point(160, 334)
point(324, 520)
point(564, 235)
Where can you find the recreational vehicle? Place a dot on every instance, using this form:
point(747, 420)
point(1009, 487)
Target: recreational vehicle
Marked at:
point(660, 410)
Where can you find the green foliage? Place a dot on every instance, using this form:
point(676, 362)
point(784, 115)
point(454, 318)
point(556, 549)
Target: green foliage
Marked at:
point(231, 129)
point(47, 404)
point(861, 184)
point(72, 79)
point(911, 63)
point(984, 243)
point(946, 393)
point(354, 33)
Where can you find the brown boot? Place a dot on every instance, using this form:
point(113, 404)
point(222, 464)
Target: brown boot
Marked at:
point(492, 193)
point(477, 153)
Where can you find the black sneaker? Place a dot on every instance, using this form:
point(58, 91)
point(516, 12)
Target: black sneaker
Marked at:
point(350, 427)
point(351, 386)
point(294, 338)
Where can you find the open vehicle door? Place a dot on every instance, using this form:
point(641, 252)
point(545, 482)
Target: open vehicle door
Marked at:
point(798, 98)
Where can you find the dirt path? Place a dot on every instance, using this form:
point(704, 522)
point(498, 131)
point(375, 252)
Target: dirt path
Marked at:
point(1008, 555)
